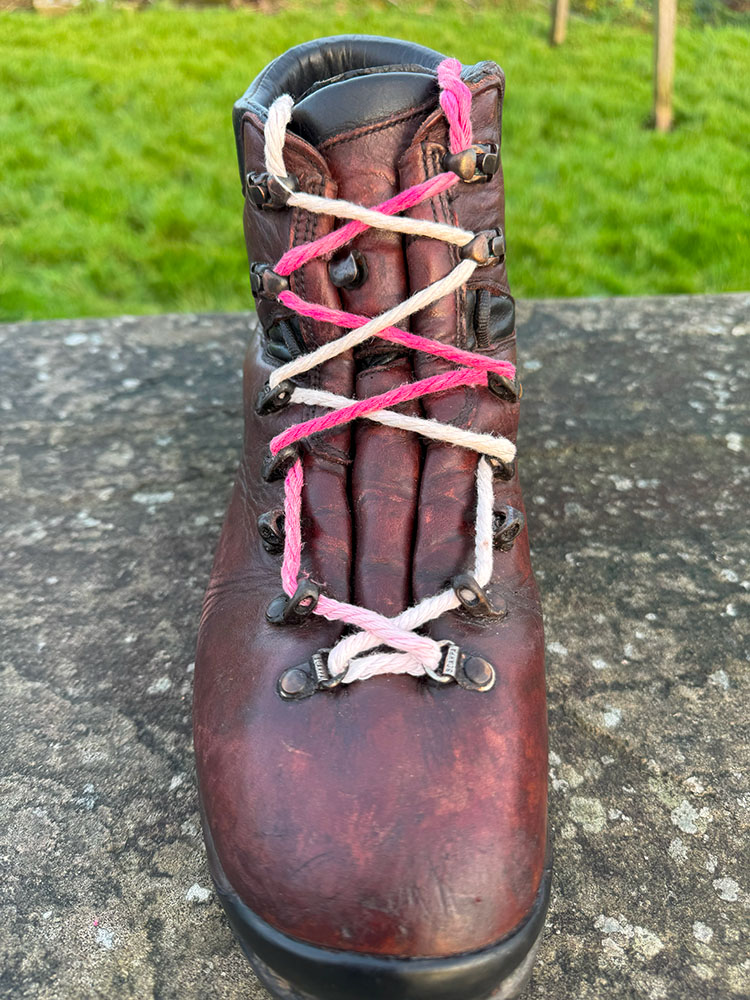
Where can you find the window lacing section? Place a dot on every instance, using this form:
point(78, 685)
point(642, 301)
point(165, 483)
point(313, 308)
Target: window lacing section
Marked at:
point(356, 656)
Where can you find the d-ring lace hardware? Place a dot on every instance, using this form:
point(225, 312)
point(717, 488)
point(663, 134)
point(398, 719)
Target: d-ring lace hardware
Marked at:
point(479, 162)
point(448, 664)
point(302, 681)
point(473, 673)
point(502, 469)
point(265, 191)
point(274, 397)
point(507, 525)
point(509, 389)
point(265, 283)
point(285, 610)
point(271, 531)
point(276, 466)
point(487, 247)
point(474, 598)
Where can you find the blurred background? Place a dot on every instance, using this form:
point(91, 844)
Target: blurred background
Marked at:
point(119, 190)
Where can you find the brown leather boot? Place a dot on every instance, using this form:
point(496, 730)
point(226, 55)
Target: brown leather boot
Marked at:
point(382, 838)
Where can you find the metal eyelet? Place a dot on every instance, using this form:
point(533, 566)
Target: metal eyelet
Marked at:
point(476, 674)
point(265, 283)
point(487, 247)
point(447, 668)
point(296, 683)
point(285, 610)
point(276, 466)
point(501, 470)
point(479, 162)
point(325, 679)
point(474, 598)
point(273, 398)
point(302, 681)
point(473, 673)
point(266, 191)
point(509, 389)
point(349, 271)
point(507, 525)
point(271, 530)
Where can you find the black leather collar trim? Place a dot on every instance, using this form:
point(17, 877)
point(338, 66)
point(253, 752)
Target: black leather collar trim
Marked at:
point(356, 102)
point(368, 71)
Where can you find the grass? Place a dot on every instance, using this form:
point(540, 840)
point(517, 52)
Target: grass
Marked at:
point(119, 189)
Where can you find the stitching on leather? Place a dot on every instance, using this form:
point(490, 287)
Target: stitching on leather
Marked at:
point(449, 215)
point(388, 176)
point(330, 453)
point(433, 127)
point(247, 492)
point(322, 450)
point(376, 127)
point(447, 200)
point(426, 173)
point(461, 335)
point(298, 281)
point(493, 284)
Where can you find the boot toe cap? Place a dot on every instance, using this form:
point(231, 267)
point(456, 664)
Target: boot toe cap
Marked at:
point(395, 820)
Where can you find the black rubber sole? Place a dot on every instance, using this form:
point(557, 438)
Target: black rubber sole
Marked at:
point(294, 970)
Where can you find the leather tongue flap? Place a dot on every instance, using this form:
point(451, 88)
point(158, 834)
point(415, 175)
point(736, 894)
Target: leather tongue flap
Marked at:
point(343, 104)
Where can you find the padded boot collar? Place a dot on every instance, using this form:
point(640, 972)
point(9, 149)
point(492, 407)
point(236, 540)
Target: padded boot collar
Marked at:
point(356, 99)
point(301, 68)
point(329, 81)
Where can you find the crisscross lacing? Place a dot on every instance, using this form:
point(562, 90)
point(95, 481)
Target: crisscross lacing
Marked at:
point(352, 657)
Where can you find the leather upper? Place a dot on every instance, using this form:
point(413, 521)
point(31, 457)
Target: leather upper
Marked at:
point(389, 817)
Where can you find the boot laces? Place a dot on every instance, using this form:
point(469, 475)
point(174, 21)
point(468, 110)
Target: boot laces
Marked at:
point(360, 655)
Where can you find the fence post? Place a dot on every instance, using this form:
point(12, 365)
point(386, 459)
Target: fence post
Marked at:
point(560, 10)
point(666, 22)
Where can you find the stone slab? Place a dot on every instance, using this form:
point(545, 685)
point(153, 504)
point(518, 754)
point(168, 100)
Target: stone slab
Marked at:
point(118, 448)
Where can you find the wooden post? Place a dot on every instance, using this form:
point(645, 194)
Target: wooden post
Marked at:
point(666, 22)
point(560, 10)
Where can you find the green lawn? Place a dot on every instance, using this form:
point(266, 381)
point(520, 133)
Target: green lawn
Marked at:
point(119, 190)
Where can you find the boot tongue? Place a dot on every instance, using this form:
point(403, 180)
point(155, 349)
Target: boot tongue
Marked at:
point(345, 103)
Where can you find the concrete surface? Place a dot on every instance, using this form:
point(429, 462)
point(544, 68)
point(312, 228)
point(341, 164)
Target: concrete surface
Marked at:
point(119, 441)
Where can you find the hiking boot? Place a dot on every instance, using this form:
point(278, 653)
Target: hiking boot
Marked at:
point(370, 721)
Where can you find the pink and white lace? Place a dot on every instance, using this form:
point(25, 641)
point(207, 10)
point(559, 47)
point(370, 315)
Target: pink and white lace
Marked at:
point(407, 651)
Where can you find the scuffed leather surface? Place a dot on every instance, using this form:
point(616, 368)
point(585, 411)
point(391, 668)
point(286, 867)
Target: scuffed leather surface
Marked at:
point(390, 817)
